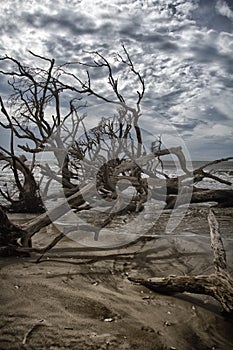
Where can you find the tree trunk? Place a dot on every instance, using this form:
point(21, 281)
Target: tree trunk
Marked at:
point(29, 199)
point(224, 198)
point(9, 235)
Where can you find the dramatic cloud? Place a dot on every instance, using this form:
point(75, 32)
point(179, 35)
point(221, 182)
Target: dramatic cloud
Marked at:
point(183, 48)
point(225, 9)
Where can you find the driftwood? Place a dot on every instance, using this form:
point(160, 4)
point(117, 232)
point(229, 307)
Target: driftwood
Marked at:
point(218, 284)
point(13, 236)
point(105, 184)
point(223, 198)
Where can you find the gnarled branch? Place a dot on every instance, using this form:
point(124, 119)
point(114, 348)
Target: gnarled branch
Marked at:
point(218, 285)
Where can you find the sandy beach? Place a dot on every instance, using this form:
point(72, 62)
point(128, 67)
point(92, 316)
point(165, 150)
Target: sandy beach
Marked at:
point(116, 141)
point(80, 298)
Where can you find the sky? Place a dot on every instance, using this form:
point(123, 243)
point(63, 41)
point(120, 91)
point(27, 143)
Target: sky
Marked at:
point(182, 48)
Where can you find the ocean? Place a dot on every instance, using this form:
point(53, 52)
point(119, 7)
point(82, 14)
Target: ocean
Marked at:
point(153, 220)
point(222, 170)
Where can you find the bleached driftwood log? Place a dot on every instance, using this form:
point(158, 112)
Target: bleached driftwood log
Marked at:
point(218, 284)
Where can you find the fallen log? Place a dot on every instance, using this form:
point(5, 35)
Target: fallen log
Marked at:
point(223, 198)
point(13, 237)
point(218, 284)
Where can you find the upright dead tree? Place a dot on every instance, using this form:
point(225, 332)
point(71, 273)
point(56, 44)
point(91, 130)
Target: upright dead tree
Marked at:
point(23, 195)
point(35, 117)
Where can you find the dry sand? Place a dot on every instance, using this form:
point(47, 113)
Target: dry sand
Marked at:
point(79, 298)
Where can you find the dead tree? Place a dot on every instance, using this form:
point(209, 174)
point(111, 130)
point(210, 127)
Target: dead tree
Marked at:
point(99, 151)
point(33, 128)
point(111, 152)
point(27, 197)
point(37, 88)
point(220, 197)
point(218, 285)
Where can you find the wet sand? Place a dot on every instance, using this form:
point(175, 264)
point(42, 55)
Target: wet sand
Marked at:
point(80, 298)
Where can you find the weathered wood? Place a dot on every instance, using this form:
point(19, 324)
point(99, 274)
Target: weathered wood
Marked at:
point(218, 285)
point(8, 231)
point(143, 160)
point(65, 206)
point(29, 199)
point(224, 198)
point(9, 235)
point(213, 162)
point(216, 243)
point(199, 175)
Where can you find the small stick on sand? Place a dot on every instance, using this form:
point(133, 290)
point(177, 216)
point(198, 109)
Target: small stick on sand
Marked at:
point(29, 332)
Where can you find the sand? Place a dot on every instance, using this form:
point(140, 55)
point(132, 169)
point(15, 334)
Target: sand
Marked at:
point(79, 298)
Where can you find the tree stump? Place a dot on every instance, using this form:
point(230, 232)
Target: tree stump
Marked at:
point(9, 236)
